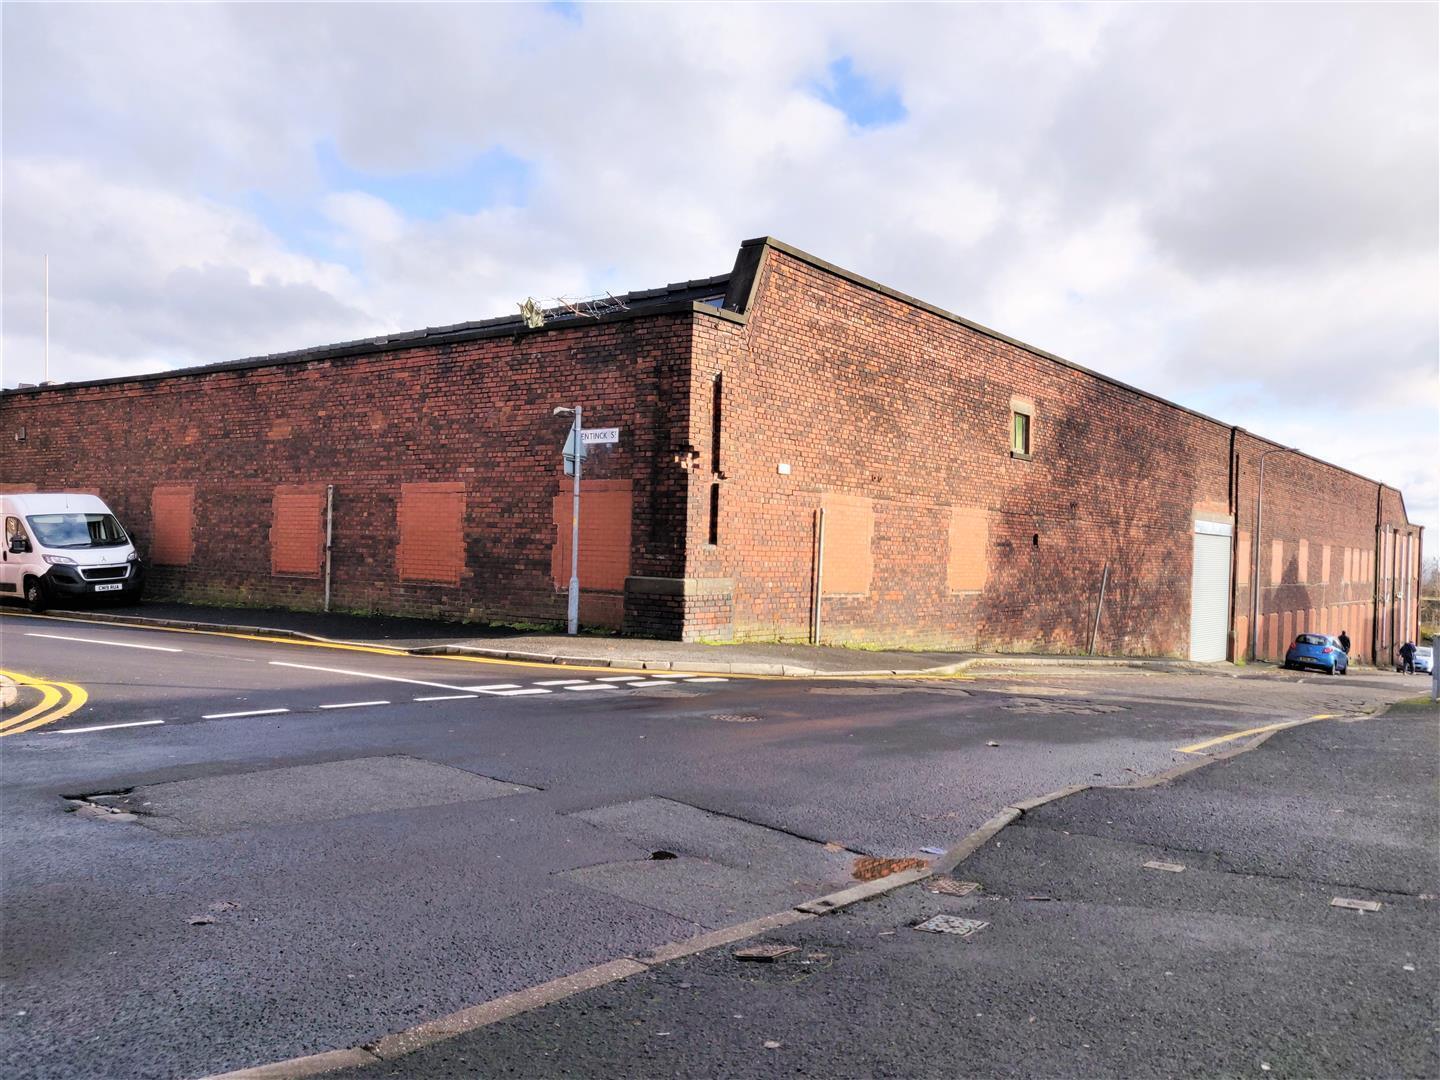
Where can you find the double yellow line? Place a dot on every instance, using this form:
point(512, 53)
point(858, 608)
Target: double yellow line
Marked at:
point(57, 701)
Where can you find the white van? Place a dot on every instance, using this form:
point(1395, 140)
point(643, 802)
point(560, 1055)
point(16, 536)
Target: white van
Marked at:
point(65, 546)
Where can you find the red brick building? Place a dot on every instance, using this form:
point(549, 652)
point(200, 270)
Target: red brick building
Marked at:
point(803, 453)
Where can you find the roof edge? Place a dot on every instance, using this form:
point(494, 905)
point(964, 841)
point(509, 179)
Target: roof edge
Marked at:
point(755, 248)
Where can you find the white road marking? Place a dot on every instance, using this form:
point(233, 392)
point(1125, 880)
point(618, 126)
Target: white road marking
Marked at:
point(594, 686)
point(622, 678)
point(707, 678)
point(645, 682)
point(100, 727)
point(514, 693)
point(368, 675)
point(560, 682)
point(354, 704)
point(252, 712)
point(99, 641)
point(494, 686)
point(447, 697)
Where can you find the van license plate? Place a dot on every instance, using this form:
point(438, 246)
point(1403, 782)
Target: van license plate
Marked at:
point(109, 588)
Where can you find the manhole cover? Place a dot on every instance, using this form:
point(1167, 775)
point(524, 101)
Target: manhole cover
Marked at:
point(951, 924)
point(949, 886)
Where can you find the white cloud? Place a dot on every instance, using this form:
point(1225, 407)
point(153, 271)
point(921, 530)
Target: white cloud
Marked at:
point(1214, 202)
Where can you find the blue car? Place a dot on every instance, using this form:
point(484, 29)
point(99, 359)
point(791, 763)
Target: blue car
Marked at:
point(1317, 651)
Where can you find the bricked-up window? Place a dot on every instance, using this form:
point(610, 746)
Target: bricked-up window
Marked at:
point(715, 416)
point(849, 536)
point(297, 531)
point(172, 524)
point(431, 520)
point(714, 514)
point(605, 525)
point(968, 565)
point(1022, 421)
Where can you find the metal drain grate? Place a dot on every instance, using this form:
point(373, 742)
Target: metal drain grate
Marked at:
point(949, 886)
point(951, 924)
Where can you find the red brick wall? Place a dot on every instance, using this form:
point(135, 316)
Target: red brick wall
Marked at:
point(474, 416)
point(865, 396)
point(837, 395)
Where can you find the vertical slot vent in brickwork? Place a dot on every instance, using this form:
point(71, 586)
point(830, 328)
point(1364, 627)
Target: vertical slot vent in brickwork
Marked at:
point(431, 528)
point(716, 415)
point(714, 514)
point(605, 522)
point(172, 524)
point(297, 531)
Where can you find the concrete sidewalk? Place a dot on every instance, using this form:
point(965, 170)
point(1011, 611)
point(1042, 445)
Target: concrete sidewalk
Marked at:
point(424, 636)
point(1088, 960)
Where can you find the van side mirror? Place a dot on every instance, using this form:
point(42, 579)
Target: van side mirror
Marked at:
point(19, 545)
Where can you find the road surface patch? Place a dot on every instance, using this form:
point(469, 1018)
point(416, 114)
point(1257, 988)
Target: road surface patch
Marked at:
point(303, 793)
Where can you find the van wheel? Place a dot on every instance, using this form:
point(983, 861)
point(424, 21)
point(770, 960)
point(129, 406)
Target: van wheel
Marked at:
point(34, 594)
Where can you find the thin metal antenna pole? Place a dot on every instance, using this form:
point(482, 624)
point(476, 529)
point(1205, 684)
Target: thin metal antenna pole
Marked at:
point(46, 376)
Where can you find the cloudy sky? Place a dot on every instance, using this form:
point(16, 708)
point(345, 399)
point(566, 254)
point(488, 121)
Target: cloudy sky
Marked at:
point(1234, 206)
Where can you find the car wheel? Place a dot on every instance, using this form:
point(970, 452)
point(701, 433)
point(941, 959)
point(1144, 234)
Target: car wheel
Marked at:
point(34, 594)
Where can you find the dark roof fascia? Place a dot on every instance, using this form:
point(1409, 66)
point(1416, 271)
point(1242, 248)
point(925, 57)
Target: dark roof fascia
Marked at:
point(759, 243)
point(495, 328)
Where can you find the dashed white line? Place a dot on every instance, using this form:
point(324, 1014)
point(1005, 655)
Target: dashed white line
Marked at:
point(706, 678)
point(99, 641)
point(595, 686)
point(495, 686)
point(447, 697)
point(646, 682)
point(100, 727)
point(517, 692)
point(251, 712)
point(558, 682)
point(368, 675)
point(621, 678)
point(354, 704)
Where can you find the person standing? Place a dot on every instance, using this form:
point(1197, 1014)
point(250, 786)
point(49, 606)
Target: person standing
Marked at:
point(1345, 642)
point(1407, 658)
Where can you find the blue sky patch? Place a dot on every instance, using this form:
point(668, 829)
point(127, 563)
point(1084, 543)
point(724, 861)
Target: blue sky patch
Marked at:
point(493, 178)
point(864, 103)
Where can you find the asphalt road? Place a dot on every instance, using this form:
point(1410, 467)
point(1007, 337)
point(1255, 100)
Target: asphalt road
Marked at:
point(369, 840)
point(1088, 963)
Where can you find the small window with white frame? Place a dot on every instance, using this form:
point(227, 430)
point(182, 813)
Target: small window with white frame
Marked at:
point(1022, 427)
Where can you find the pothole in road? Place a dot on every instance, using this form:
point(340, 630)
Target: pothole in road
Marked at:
point(1068, 708)
point(889, 690)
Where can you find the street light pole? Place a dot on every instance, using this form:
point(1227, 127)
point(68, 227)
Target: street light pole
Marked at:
point(577, 452)
point(1255, 564)
point(573, 607)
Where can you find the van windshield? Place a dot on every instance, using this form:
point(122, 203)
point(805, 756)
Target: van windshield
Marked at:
point(76, 530)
